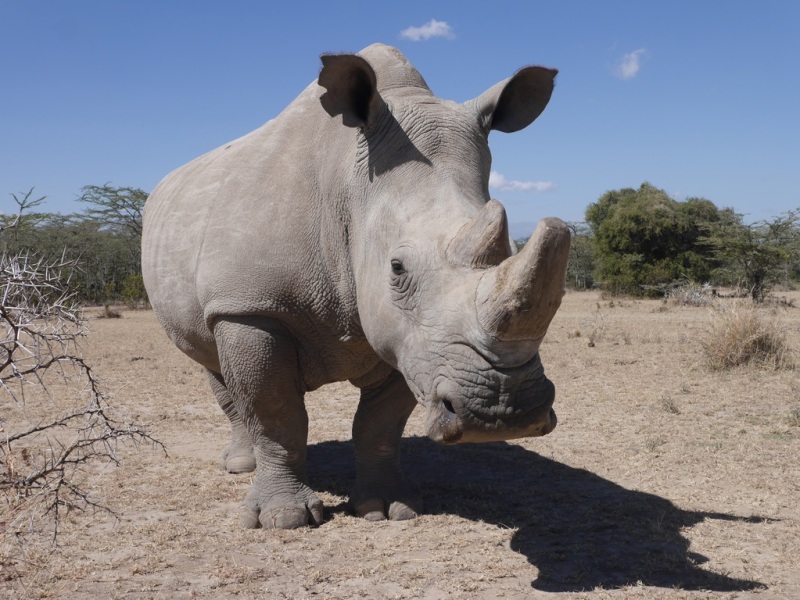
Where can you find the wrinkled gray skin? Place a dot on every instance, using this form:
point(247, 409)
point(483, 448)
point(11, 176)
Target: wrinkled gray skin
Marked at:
point(353, 238)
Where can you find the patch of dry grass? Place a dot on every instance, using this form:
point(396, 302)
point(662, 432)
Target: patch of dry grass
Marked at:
point(794, 417)
point(741, 334)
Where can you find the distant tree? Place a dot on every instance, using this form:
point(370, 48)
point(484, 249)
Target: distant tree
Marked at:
point(116, 212)
point(25, 229)
point(644, 239)
point(133, 291)
point(119, 209)
point(581, 265)
point(23, 219)
point(756, 253)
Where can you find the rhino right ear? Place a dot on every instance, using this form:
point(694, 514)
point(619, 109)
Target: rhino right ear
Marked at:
point(352, 89)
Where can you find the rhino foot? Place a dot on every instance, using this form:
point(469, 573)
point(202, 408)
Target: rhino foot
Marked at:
point(238, 459)
point(281, 511)
point(396, 503)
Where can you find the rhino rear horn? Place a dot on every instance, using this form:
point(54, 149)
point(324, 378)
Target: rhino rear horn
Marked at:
point(484, 241)
point(517, 299)
point(352, 88)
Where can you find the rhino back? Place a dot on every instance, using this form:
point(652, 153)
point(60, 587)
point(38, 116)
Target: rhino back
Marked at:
point(258, 227)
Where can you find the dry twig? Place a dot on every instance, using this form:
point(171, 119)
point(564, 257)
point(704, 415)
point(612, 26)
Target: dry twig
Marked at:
point(41, 467)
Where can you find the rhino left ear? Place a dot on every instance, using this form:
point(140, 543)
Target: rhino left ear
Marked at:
point(515, 103)
point(352, 88)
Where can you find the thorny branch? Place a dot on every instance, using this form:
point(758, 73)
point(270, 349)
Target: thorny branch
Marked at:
point(41, 477)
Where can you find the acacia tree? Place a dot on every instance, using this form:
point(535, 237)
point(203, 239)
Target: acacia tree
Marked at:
point(757, 252)
point(119, 209)
point(23, 219)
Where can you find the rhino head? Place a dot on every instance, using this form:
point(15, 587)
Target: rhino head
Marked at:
point(441, 295)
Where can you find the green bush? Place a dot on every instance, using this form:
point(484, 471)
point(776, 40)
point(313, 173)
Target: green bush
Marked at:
point(644, 239)
point(133, 292)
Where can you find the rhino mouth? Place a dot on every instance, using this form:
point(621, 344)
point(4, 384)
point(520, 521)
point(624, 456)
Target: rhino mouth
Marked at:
point(445, 427)
point(449, 422)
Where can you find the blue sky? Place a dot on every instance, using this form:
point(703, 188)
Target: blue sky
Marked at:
point(699, 98)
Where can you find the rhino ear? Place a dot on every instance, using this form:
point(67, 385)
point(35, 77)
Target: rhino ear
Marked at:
point(515, 103)
point(351, 88)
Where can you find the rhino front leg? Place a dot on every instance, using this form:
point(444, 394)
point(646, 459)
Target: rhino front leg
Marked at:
point(259, 367)
point(381, 491)
point(238, 457)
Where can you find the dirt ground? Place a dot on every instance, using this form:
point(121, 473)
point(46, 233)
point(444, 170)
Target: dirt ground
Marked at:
point(662, 480)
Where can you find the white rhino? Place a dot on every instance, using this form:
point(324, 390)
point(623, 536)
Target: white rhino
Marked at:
point(364, 247)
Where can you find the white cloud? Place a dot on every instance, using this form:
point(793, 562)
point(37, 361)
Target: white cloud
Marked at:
point(630, 64)
point(431, 29)
point(499, 181)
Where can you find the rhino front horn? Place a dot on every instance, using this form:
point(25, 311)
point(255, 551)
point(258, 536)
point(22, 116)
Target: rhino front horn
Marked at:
point(517, 299)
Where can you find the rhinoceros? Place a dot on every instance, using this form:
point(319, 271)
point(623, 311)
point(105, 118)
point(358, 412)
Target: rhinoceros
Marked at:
point(353, 238)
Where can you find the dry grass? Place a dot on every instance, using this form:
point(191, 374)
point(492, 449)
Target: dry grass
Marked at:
point(627, 498)
point(742, 334)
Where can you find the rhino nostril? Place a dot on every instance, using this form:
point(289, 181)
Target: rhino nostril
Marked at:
point(448, 406)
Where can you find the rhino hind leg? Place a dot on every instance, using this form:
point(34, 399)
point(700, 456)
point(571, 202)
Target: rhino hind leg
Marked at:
point(259, 367)
point(238, 457)
point(381, 491)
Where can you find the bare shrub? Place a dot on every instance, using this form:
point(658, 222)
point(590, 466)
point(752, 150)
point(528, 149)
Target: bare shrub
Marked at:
point(661, 308)
point(57, 422)
point(688, 293)
point(597, 325)
point(651, 444)
point(741, 334)
point(669, 404)
point(109, 313)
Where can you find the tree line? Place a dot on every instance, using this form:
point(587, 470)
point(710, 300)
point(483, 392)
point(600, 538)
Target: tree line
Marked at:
point(633, 241)
point(641, 242)
point(102, 243)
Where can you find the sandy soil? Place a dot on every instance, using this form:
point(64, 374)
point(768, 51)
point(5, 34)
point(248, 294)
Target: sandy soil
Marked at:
point(662, 480)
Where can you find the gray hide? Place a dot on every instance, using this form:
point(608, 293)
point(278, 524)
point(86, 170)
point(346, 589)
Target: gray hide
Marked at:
point(353, 238)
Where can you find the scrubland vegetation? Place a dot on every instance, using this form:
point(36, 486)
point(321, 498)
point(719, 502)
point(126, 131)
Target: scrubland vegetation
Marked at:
point(641, 242)
point(672, 472)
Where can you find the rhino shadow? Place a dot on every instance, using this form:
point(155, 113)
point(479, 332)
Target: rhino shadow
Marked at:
point(579, 530)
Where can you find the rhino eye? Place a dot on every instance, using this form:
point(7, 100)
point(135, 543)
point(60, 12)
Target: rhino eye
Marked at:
point(397, 267)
